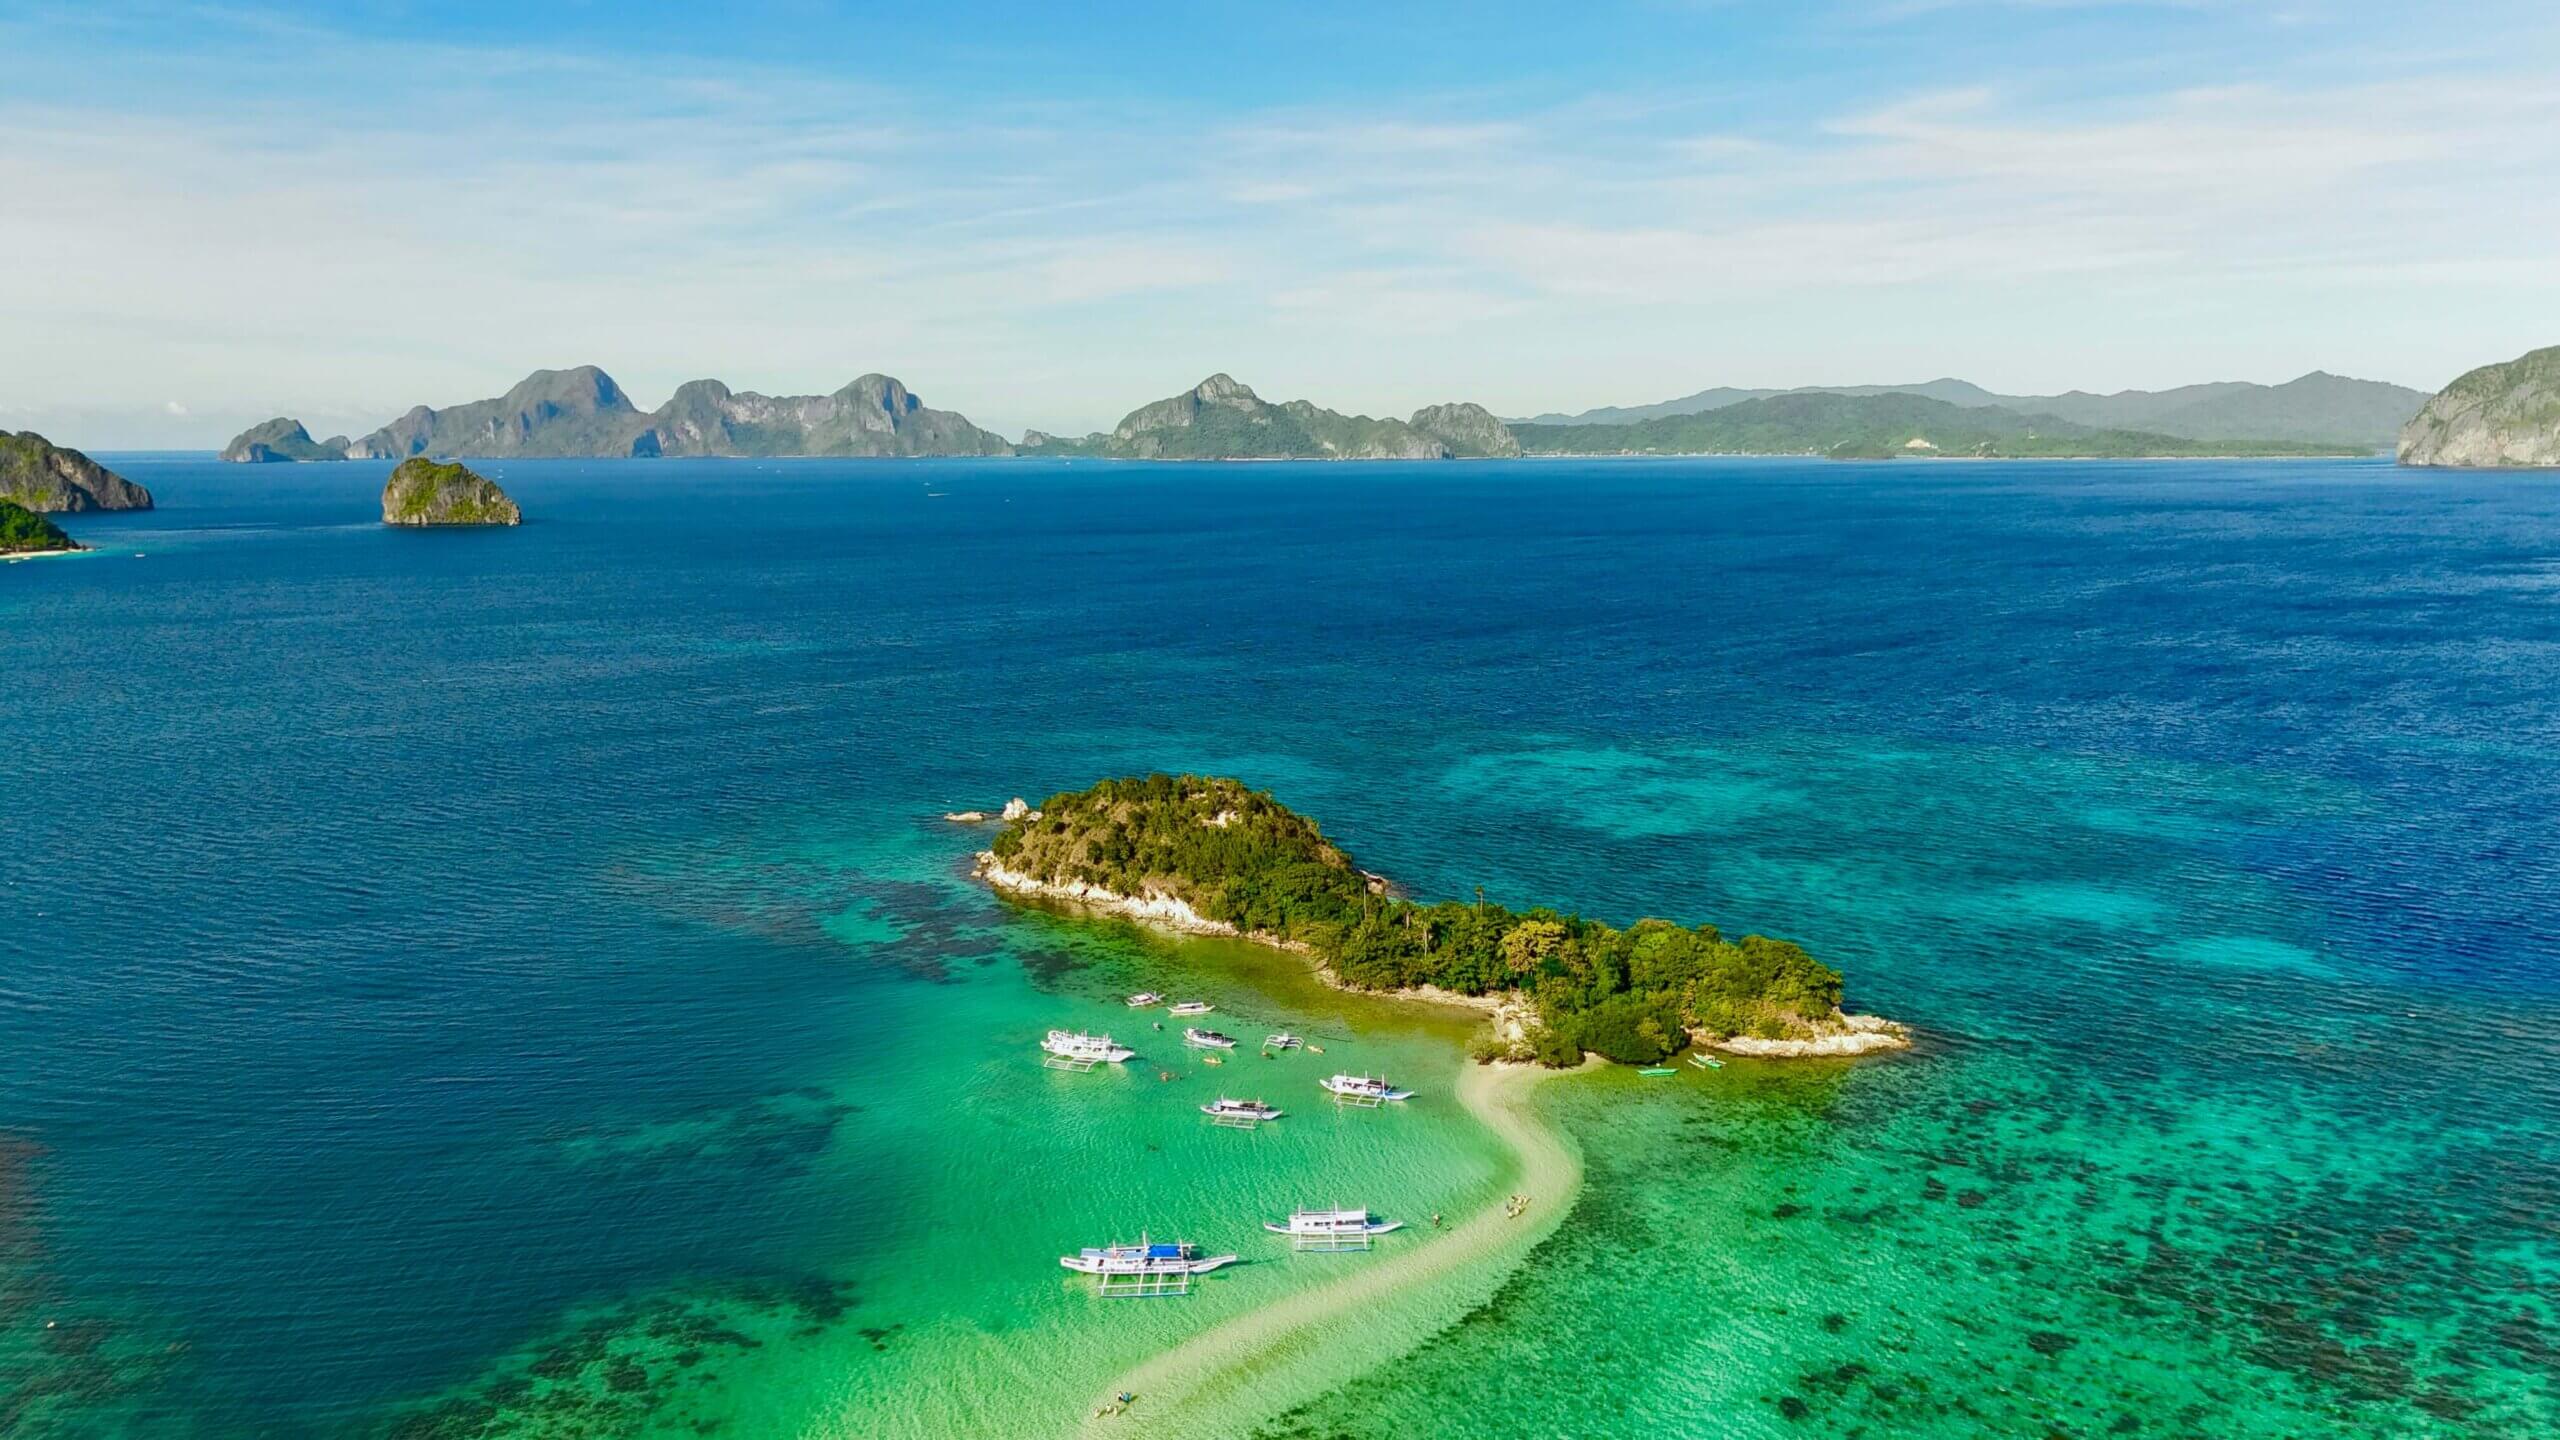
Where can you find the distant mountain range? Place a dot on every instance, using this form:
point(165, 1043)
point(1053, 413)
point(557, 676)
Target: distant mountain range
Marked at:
point(582, 413)
point(2318, 407)
point(1887, 426)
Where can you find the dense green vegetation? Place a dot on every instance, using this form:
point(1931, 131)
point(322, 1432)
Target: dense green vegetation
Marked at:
point(1866, 427)
point(1234, 854)
point(23, 531)
point(1221, 432)
point(425, 492)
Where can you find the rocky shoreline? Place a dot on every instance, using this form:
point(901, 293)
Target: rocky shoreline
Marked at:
point(1857, 1035)
point(1511, 1014)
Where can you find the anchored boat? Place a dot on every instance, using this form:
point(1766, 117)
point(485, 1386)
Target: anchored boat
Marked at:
point(1326, 1230)
point(1193, 1007)
point(1146, 1268)
point(1364, 1089)
point(1145, 998)
point(1075, 1050)
point(1282, 1041)
point(1200, 1039)
point(1242, 1114)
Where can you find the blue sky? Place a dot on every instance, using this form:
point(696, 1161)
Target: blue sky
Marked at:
point(1043, 216)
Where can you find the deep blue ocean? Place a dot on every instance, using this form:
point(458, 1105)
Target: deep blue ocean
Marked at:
point(2204, 816)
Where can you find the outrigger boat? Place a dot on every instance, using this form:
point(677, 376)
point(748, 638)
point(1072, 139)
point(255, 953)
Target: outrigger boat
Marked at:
point(1145, 998)
point(1705, 1061)
point(1246, 1113)
point(1364, 1089)
point(1193, 1007)
point(1146, 1268)
point(1075, 1050)
point(1332, 1225)
point(1282, 1041)
point(1200, 1039)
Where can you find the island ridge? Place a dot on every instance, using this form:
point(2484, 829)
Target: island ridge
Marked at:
point(1211, 855)
point(49, 478)
point(2495, 416)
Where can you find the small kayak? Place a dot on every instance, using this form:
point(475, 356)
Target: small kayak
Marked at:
point(1657, 1070)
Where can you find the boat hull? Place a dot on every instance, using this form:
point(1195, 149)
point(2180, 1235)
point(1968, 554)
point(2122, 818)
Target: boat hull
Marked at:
point(1089, 1265)
point(1374, 1227)
point(1360, 1092)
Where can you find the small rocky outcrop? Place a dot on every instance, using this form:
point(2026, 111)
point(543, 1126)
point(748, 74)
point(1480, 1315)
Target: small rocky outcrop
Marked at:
point(279, 441)
point(423, 492)
point(46, 478)
point(1469, 430)
point(2496, 416)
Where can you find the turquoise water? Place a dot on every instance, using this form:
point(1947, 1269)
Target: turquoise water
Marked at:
point(519, 984)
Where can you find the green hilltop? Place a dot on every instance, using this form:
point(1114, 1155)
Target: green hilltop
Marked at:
point(24, 532)
point(1222, 419)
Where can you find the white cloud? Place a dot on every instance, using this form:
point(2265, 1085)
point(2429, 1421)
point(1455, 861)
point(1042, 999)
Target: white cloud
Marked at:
point(341, 253)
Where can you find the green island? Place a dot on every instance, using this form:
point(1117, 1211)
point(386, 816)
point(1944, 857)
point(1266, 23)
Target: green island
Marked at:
point(24, 532)
point(1211, 854)
point(426, 492)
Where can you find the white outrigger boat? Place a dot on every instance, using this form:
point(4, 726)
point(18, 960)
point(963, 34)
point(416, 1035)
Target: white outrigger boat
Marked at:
point(1145, 999)
point(1199, 1039)
point(1241, 1114)
point(1282, 1041)
point(1075, 1050)
point(1364, 1089)
point(1321, 1230)
point(1146, 1268)
point(1193, 1007)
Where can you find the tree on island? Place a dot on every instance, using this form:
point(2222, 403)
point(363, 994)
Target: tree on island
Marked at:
point(24, 532)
